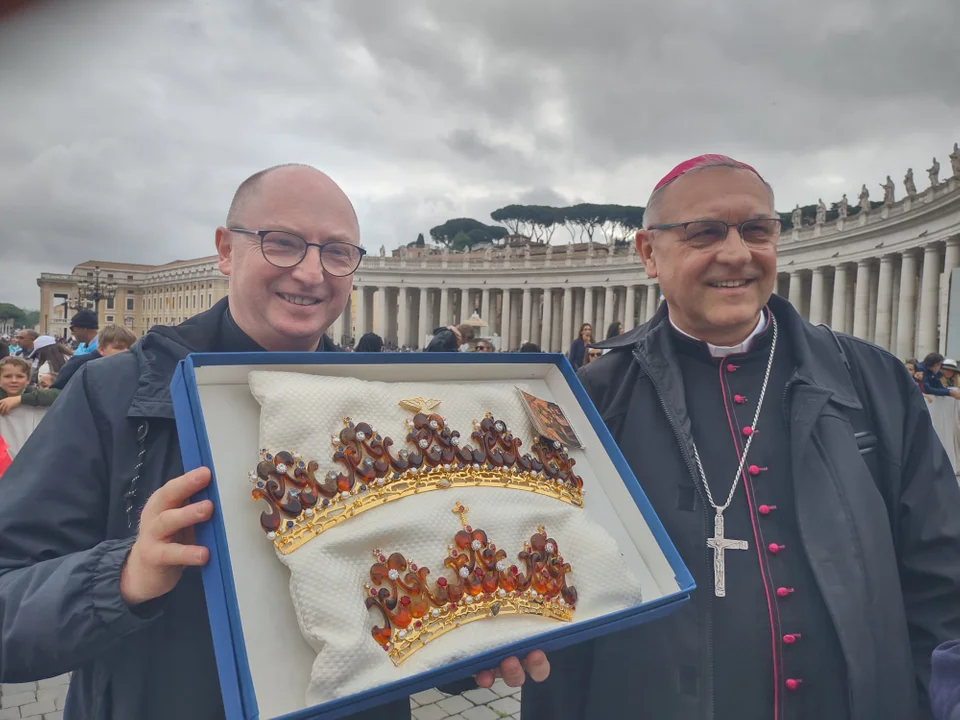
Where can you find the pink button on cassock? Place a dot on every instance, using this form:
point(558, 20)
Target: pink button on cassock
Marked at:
point(774, 548)
point(748, 431)
point(793, 684)
point(731, 367)
point(739, 399)
point(784, 592)
point(791, 638)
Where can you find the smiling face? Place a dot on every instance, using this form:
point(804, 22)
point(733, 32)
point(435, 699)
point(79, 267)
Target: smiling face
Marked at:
point(13, 379)
point(714, 292)
point(288, 308)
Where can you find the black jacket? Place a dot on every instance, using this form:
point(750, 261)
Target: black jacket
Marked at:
point(881, 530)
point(68, 515)
point(71, 366)
point(444, 340)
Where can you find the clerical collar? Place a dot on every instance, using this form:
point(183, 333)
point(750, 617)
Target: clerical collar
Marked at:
point(720, 351)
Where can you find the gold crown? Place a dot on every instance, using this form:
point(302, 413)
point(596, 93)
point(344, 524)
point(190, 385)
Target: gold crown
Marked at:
point(483, 585)
point(302, 505)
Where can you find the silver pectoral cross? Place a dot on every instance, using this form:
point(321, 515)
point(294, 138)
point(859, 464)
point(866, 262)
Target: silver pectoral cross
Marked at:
point(719, 544)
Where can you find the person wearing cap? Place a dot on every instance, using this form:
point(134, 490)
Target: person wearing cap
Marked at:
point(84, 326)
point(795, 470)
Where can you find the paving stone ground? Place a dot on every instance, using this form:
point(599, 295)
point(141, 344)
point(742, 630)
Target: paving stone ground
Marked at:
point(44, 701)
point(34, 700)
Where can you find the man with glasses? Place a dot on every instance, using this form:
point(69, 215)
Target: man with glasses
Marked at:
point(795, 470)
point(99, 573)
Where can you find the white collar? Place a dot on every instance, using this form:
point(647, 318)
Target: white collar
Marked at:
point(719, 351)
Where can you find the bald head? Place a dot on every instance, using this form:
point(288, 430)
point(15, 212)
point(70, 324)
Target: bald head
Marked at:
point(251, 188)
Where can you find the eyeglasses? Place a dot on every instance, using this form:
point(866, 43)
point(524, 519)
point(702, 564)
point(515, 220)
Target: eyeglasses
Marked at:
point(758, 232)
point(286, 250)
point(484, 348)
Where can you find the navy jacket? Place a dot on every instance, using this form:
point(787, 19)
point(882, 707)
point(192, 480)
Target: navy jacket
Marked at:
point(945, 682)
point(931, 384)
point(71, 366)
point(69, 508)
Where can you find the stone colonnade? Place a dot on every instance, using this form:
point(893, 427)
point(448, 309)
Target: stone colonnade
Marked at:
point(896, 300)
point(549, 316)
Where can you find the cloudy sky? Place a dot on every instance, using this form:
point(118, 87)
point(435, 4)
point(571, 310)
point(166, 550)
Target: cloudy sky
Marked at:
point(126, 126)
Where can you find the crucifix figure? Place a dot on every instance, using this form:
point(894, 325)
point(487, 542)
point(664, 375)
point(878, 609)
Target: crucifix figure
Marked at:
point(719, 544)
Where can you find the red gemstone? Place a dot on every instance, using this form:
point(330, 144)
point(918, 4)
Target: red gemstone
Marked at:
point(387, 648)
point(383, 558)
point(739, 399)
point(513, 570)
point(754, 470)
point(404, 601)
point(560, 560)
point(373, 592)
point(493, 547)
point(468, 528)
point(478, 572)
point(442, 582)
point(793, 684)
point(453, 606)
point(748, 431)
point(418, 624)
point(413, 567)
point(784, 592)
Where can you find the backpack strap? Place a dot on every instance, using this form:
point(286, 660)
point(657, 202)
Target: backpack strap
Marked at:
point(864, 427)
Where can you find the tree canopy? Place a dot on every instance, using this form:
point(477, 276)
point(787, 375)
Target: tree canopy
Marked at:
point(474, 232)
point(12, 312)
point(539, 222)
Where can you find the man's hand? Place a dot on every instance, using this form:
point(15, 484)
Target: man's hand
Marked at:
point(514, 672)
point(165, 546)
point(955, 392)
point(8, 404)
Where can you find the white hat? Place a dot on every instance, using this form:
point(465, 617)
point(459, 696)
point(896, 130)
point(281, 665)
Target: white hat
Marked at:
point(949, 364)
point(43, 341)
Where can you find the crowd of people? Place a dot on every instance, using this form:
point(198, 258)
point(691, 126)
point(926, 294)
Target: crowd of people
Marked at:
point(746, 427)
point(35, 368)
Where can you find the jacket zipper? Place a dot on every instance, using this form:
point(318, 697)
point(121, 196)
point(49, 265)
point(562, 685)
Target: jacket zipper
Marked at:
point(706, 525)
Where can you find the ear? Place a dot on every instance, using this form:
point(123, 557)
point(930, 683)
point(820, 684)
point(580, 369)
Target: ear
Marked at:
point(224, 250)
point(645, 251)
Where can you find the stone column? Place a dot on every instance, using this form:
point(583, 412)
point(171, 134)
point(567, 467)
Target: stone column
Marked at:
point(403, 317)
point(505, 321)
point(577, 313)
point(631, 308)
point(796, 291)
point(873, 295)
point(485, 309)
point(929, 299)
point(950, 261)
point(380, 315)
point(566, 331)
point(908, 300)
point(651, 300)
point(444, 318)
point(817, 310)
point(547, 324)
point(861, 307)
point(882, 336)
point(337, 330)
point(424, 318)
point(608, 296)
point(588, 308)
point(525, 317)
point(361, 312)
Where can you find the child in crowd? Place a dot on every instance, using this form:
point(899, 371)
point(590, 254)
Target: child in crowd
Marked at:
point(46, 381)
point(14, 378)
point(111, 339)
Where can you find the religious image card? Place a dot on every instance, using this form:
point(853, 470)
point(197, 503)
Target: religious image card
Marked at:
point(549, 420)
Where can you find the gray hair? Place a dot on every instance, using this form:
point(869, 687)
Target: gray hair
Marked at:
point(654, 205)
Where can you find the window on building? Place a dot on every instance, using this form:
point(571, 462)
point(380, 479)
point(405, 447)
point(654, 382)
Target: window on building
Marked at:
point(130, 302)
point(109, 318)
point(194, 301)
point(209, 300)
point(109, 276)
point(180, 303)
point(129, 277)
point(89, 273)
point(109, 303)
point(201, 301)
point(128, 321)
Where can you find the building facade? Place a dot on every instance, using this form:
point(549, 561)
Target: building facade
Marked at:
point(146, 295)
point(881, 275)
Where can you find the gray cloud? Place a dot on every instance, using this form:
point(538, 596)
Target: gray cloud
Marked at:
point(133, 123)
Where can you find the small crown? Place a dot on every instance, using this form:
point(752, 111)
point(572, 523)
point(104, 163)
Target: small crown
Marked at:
point(483, 585)
point(302, 505)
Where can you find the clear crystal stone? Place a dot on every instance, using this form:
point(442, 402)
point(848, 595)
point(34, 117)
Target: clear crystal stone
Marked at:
point(271, 535)
point(332, 475)
point(435, 612)
point(281, 468)
point(394, 574)
point(433, 424)
point(308, 512)
point(500, 426)
point(455, 440)
point(361, 436)
point(402, 634)
point(423, 444)
point(501, 565)
point(344, 494)
point(380, 481)
point(550, 547)
point(501, 592)
point(464, 572)
point(476, 545)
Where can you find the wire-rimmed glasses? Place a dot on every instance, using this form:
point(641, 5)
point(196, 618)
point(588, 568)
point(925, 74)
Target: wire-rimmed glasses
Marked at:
point(758, 232)
point(284, 249)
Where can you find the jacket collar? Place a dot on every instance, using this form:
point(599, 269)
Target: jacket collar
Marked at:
point(821, 362)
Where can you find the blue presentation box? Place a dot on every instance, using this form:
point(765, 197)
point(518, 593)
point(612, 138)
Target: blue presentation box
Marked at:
point(263, 660)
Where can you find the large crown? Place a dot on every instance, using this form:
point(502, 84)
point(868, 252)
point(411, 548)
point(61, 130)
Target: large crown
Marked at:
point(301, 504)
point(483, 585)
